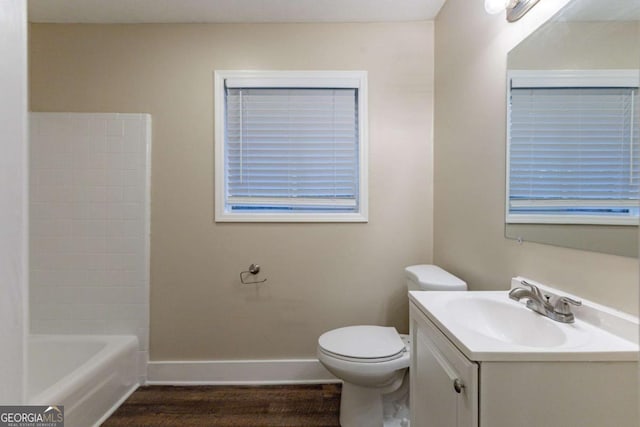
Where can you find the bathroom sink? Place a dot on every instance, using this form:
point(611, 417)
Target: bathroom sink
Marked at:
point(509, 322)
point(489, 326)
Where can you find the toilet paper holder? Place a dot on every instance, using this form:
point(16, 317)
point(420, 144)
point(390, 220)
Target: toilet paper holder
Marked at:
point(253, 270)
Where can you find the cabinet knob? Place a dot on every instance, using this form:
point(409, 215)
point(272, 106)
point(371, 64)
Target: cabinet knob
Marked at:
point(458, 385)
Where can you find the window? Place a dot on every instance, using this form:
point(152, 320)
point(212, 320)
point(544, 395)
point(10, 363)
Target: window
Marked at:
point(291, 146)
point(573, 147)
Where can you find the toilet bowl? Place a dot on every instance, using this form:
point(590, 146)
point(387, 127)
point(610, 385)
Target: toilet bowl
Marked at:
point(373, 361)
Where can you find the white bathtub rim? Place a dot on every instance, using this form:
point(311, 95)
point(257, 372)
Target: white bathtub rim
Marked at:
point(117, 343)
point(116, 405)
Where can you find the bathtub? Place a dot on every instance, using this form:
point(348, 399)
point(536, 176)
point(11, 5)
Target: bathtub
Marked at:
point(91, 375)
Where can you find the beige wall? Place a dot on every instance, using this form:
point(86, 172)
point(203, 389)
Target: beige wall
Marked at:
point(469, 182)
point(320, 276)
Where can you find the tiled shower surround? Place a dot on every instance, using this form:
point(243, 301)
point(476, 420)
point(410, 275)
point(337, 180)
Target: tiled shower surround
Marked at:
point(89, 225)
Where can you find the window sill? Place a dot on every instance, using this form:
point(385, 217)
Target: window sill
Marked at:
point(570, 219)
point(290, 217)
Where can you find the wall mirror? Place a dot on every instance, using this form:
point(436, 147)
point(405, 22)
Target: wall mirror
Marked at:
point(573, 139)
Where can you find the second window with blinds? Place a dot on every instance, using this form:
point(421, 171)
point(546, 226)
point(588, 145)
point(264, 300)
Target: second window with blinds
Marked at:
point(291, 146)
point(573, 147)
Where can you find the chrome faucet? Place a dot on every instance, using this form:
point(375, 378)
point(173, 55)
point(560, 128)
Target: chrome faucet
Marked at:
point(560, 311)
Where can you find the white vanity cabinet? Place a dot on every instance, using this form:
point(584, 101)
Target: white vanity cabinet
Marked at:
point(444, 383)
point(502, 390)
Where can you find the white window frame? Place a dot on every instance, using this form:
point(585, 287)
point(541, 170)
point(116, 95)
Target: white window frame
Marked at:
point(563, 78)
point(302, 79)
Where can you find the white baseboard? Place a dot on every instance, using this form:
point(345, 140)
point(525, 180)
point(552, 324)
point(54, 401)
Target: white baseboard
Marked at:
point(221, 372)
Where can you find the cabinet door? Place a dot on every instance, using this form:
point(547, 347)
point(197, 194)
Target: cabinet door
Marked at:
point(444, 383)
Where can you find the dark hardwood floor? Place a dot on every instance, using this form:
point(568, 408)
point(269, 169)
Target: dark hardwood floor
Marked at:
point(247, 406)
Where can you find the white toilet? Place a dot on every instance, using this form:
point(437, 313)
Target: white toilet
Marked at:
point(373, 361)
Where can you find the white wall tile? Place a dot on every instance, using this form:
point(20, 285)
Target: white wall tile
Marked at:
point(88, 311)
point(88, 228)
point(52, 311)
point(133, 193)
point(115, 160)
point(97, 126)
point(50, 227)
point(13, 201)
point(88, 160)
point(115, 127)
point(115, 192)
point(89, 236)
point(63, 177)
point(52, 193)
point(87, 326)
point(114, 144)
point(90, 177)
point(50, 326)
point(115, 178)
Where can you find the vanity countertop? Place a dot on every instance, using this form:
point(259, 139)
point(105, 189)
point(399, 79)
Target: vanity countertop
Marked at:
point(488, 326)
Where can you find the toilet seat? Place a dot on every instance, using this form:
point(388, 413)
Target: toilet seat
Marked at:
point(364, 344)
point(363, 360)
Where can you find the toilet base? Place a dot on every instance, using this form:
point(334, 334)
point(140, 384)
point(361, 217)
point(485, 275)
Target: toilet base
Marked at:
point(360, 406)
point(375, 407)
point(395, 406)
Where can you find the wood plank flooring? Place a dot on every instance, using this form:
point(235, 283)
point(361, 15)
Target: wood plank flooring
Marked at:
point(314, 405)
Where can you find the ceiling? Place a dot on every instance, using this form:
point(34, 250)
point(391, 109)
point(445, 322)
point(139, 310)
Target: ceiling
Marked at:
point(236, 11)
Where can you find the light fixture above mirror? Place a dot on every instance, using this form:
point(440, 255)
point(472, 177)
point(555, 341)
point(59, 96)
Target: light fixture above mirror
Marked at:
point(515, 9)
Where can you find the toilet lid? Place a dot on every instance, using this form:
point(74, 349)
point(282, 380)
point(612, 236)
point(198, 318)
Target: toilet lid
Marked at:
point(363, 342)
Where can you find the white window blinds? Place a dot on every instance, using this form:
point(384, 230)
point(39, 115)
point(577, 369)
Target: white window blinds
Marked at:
point(573, 151)
point(291, 149)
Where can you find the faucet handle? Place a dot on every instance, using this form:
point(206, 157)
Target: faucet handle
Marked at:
point(534, 288)
point(562, 305)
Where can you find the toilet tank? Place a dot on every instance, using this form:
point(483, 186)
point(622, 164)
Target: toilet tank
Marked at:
point(428, 277)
